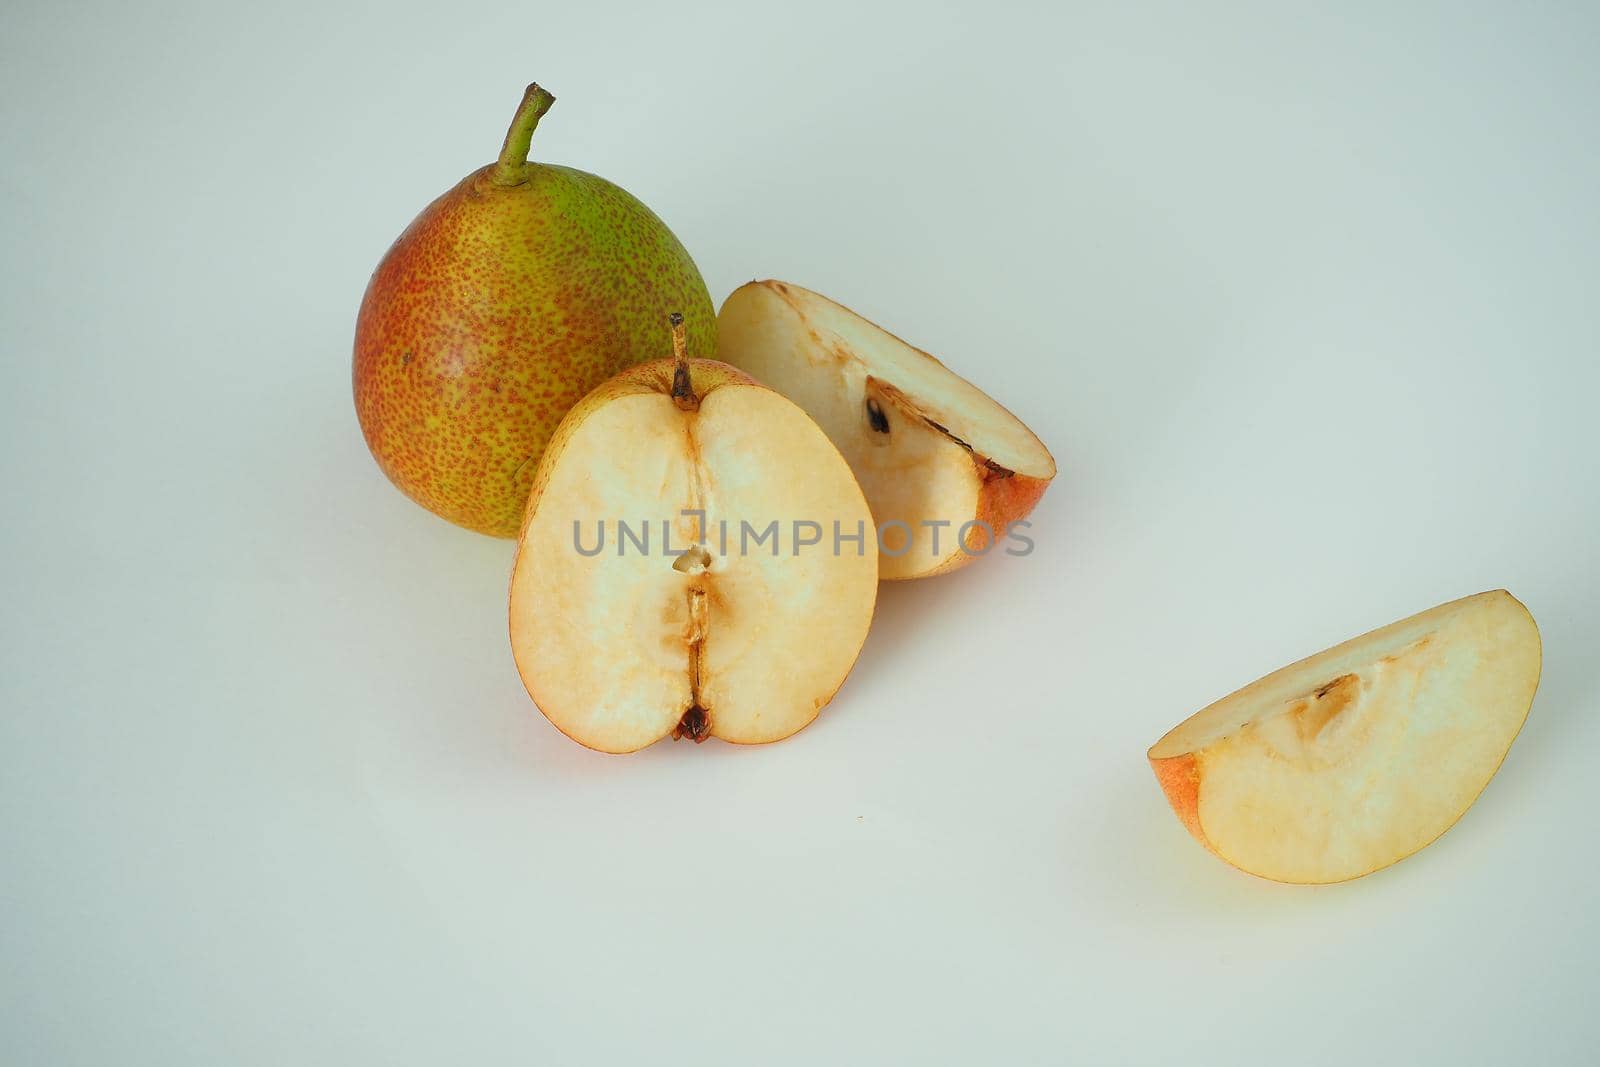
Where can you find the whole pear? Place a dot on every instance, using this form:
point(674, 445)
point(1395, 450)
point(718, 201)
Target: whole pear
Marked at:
point(505, 302)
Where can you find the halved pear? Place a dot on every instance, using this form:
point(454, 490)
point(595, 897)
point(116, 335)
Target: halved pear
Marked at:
point(1355, 758)
point(946, 469)
point(717, 625)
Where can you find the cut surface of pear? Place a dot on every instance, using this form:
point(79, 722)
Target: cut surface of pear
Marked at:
point(711, 630)
point(1359, 756)
point(944, 467)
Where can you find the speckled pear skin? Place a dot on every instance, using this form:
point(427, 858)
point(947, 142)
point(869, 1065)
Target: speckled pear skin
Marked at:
point(494, 313)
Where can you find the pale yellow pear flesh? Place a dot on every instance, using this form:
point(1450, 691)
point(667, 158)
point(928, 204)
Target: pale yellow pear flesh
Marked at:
point(928, 446)
point(756, 636)
point(1357, 757)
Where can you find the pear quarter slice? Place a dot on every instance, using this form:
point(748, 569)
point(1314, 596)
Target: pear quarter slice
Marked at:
point(745, 643)
point(1355, 758)
point(927, 445)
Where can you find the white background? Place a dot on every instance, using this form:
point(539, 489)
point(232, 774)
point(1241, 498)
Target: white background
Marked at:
point(1303, 301)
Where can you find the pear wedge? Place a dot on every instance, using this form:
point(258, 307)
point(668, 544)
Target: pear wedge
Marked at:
point(946, 469)
point(1354, 759)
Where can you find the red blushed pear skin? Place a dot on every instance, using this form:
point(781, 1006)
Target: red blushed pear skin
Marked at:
point(506, 301)
point(1351, 760)
point(696, 633)
point(946, 469)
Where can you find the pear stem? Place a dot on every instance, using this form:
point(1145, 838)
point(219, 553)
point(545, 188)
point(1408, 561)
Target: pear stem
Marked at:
point(682, 387)
point(512, 169)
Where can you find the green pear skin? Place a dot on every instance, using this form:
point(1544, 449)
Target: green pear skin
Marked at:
point(505, 302)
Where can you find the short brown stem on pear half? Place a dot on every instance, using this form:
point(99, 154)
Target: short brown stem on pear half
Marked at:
point(682, 387)
point(512, 167)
